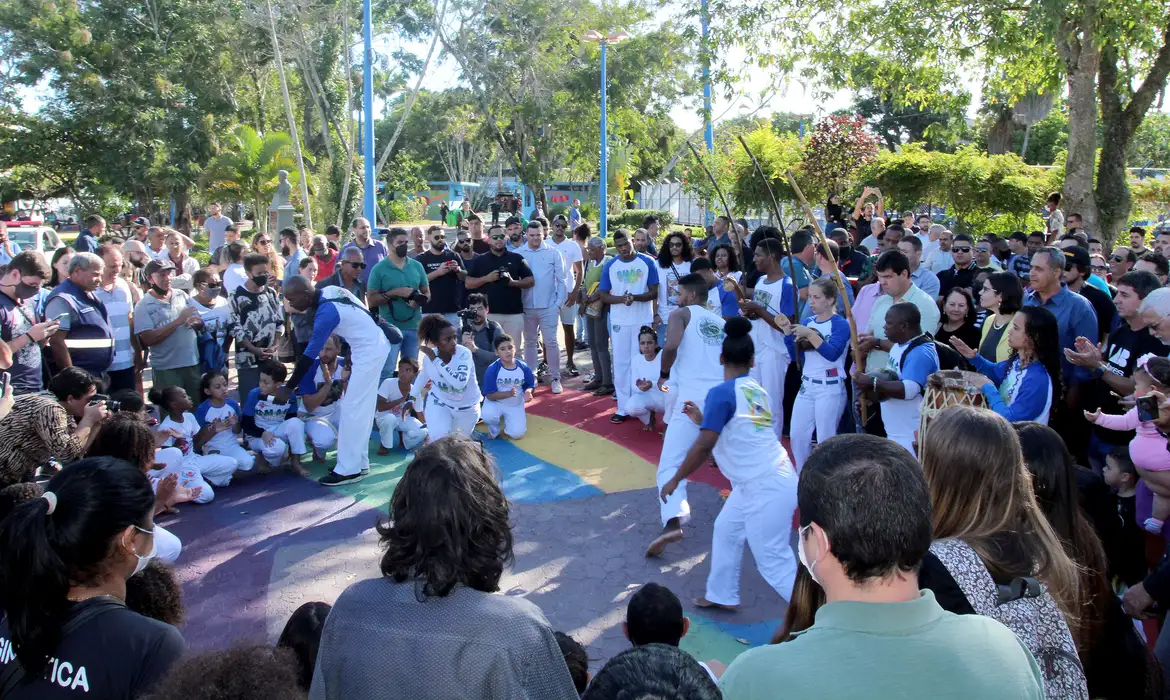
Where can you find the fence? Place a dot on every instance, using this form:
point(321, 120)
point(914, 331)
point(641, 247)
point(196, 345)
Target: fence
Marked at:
point(689, 210)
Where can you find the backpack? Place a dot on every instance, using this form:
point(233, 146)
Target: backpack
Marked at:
point(1027, 609)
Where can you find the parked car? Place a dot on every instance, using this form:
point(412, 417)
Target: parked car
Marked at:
point(40, 238)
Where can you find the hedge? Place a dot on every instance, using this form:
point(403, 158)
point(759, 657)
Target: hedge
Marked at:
point(632, 218)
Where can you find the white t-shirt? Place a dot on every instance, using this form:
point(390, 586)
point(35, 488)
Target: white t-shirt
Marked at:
point(650, 370)
point(187, 429)
point(668, 287)
point(227, 438)
point(233, 277)
point(635, 277)
point(215, 317)
point(389, 391)
point(771, 295)
point(572, 253)
point(453, 384)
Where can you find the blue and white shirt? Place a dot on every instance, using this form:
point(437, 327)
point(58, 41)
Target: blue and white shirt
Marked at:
point(827, 361)
point(1016, 393)
point(500, 378)
point(921, 361)
point(340, 312)
point(206, 413)
point(636, 276)
point(311, 383)
point(267, 413)
point(740, 411)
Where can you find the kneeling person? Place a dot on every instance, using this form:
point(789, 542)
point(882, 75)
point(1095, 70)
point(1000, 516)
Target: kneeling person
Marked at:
point(396, 414)
point(320, 390)
point(272, 427)
point(507, 386)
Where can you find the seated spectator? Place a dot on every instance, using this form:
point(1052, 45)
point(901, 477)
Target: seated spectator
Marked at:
point(807, 598)
point(431, 626)
point(223, 414)
point(1117, 664)
point(989, 532)
point(68, 632)
point(58, 424)
point(958, 318)
point(652, 671)
point(396, 414)
point(509, 385)
point(238, 673)
point(189, 437)
point(1024, 386)
point(576, 659)
point(271, 427)
point(15, 494)
point(302, 636)
point(320, 391)
point(154, 592)
point(865, 517)
point(654, 615)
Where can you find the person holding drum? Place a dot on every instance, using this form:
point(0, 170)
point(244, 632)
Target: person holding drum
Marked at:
point(1024, 386)
point(821, 339)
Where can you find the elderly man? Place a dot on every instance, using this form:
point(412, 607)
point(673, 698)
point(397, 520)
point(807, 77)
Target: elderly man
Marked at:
point(1155, 311)
point(119, 299)
point(165, 320)
point(924, 279)
point(86, 339)
point(373, 251)
point(348, 273)
point(543, 301)
point(1074, 314)
point(185, 265)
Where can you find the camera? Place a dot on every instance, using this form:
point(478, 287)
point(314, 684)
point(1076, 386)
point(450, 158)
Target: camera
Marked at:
point(417, 298)
point(111, 405)
point(504, 274)
point(469, 317)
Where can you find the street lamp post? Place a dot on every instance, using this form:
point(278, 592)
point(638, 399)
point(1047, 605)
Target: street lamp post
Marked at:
point(597, 37)
point(371, 187)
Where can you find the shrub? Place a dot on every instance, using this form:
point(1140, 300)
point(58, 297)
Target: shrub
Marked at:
point(405, 209)
point(632, 218)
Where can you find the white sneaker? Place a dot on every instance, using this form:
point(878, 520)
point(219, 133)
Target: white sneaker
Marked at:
point(556, 386)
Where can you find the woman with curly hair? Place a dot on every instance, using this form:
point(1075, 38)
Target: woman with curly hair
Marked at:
point(452, 404)
point(431, 626)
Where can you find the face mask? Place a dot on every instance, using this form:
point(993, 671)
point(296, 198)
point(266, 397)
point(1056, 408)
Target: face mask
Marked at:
point(158, 290)
point(400, 250)
point(25, 291)
point(260, 280)
point(144, 559)
point(804, 558)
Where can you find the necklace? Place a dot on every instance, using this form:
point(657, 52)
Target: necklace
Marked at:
point(102, 595)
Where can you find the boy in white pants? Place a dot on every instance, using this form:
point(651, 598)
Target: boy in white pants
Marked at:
point(507, 386)
point(395, 414)
point(319, 391)
point(273, 428)
point(217, 406)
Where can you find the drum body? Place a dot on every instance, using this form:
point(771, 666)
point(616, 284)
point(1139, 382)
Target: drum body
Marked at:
point(944, 389)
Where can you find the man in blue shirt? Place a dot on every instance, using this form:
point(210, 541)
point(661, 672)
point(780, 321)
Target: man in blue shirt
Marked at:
point(800, 262)
point(87, 239)
point(1074, 314)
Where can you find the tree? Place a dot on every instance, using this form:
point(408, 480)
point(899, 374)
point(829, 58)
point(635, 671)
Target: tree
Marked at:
point(245, 169)
point(837, 148)
point(776, 154)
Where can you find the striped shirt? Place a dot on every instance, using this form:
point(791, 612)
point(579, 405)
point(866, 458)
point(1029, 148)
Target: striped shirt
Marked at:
point(118, 306)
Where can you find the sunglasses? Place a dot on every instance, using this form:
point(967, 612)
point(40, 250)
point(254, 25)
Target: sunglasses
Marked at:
point(1099, 268)
point(983, 250)
point(213, 285)
point(1117, 259)
point(962, 249)
point(498, 237)
point(263, 241)
point(360, 266)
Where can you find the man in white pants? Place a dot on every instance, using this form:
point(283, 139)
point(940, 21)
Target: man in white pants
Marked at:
point(341, 313)
point(542, 302)
point(629, 284)
point(694, 341)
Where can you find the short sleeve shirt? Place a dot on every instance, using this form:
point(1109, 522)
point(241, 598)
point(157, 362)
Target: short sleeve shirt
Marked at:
point(386, 276)
point(502, 298)
point(179, 349)
point(445, 288)
point(15, 320)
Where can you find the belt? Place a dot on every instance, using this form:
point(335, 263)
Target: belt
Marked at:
point(453, 408)
point(823, 382)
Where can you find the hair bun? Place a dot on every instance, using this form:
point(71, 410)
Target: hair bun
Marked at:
point(737, 327)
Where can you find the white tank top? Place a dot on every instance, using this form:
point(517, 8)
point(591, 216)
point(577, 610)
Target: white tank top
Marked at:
point(696, 368)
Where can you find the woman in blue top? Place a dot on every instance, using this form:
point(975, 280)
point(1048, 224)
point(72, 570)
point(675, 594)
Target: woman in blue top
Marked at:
point(1024, 386)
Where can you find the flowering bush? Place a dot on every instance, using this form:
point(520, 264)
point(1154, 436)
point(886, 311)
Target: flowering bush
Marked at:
point(834, 152)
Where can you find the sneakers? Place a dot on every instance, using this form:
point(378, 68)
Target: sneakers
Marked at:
point(604, 390)
point(556, 386)
point(618, 418)
point(335, 479)
point(572, 371)
point(592, 385)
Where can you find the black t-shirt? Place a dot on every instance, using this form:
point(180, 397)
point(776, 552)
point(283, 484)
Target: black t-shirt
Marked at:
point(954, 277)
point(1102, 305)
point(479, 246)
point(114, 654)
point(864, 228)
point(502, 299)
point(968, 333)
point(1120, 356)
point(445, 288)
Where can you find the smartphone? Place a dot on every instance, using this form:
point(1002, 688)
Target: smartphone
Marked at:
point(5, 379)
point(1147, 408)
point(58, 317)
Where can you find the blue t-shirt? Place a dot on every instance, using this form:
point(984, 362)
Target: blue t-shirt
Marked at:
point(500, 378)
point(268, 414)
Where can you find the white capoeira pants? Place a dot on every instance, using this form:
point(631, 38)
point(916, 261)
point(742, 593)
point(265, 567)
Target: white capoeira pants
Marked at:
point(623, 341)
point(769, 371)
point(900, 431)
point(355, 411)
point(167, 547)
point(514, 418)
point(321, 431)
point(290, 435)
point(244, 460)
point(391, 425)
point(195, 471)
point(759, 513)
point(681, 433)
point(817, 406)
point(641, 403)
point(443, 420)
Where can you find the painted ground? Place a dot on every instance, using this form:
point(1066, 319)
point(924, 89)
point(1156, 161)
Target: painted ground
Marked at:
point(583, 510)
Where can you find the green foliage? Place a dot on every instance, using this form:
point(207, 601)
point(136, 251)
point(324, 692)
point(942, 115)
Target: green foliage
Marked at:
point(1151, 197)
point(1151, 142)
point(776, 154)
point(633, 218)
point(837, 148)
point(908, 177)
point(405, 209)
point(246, 168)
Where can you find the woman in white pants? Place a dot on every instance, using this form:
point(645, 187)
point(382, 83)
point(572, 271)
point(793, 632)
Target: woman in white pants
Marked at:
point(646, 399)
point(763, 484)
point(452, 405)
point(822, 339)
point(772, 297)
point(395, 417)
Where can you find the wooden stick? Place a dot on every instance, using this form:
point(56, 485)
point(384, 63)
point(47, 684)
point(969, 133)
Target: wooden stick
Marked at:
point(795, 318)
point(854, 343)
point(718, 189)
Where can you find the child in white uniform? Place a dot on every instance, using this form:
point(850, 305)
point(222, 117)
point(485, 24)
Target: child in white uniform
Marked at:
point(646, 399)
point(217, 410)
point(273, 428)
point(822, 389)
point(396, 414)
point(186, 435)
point(507, 386)
point(320, 390)
point(453, 402)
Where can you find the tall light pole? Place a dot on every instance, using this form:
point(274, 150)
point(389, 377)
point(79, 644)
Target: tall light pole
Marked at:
point(597, 37)
point(369, 200)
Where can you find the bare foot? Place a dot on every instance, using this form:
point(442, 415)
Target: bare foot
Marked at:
point(171, 510)
point(659, 544)
point(295, 465)
point(383, 451)
point(702, 602)
point(262, 466)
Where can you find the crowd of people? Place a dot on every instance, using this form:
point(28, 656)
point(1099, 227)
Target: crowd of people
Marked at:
point(963, 546)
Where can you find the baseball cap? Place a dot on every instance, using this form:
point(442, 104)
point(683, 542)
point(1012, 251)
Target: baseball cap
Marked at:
point(1076, 255)
point(140, 221)
point(158, 266)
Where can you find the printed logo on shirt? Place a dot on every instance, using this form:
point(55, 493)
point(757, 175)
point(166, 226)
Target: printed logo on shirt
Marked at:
point(710, 332)
point(1118, 360)
point(56, 671)
point(759, 413)
point(631, 275)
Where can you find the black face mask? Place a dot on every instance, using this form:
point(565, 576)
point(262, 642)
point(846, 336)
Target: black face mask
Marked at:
point(846, 251)
point(158, 290)
point(400, 250)
point(25, 291)
point(260, 280)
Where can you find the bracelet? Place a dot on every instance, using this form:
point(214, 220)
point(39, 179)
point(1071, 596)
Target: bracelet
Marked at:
point(875, 385)
point(664, 374)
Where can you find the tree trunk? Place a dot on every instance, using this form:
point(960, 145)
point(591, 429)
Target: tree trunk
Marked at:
point(182, 199)
point(999, 137)
point(351, 146)
point(1081, 55)
point(292, 124)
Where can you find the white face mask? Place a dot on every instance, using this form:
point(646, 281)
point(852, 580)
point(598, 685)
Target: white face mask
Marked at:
point(803, 557)
point(144, 559)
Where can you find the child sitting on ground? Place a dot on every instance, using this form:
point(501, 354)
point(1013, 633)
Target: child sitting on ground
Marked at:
point(1128, 557)
point(183, 432)
point(273, 428)
point(507, 386)
point(646, 399)
point(218, 411)
point(396, 414)
point(576, 659)
point(1148, 448)
point(654, 615)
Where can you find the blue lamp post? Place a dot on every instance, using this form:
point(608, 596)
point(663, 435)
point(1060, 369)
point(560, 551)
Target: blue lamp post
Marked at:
point(595, 36)
point(369, 202)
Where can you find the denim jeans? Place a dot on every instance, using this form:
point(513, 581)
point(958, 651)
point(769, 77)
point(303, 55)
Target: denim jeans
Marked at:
point(408, 348)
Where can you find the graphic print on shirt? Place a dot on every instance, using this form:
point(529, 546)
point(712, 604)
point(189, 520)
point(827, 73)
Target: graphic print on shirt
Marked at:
point(631, 276)
point(269, 414)
point(461, 373)
point(1118, 359)
point(710, 332)
point(764, 299)
point(56, 671)
point(759, 413)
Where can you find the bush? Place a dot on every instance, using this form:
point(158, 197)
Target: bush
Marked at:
point(405, 209)
point(589, 211)
point(632, 218)
point(556, 209)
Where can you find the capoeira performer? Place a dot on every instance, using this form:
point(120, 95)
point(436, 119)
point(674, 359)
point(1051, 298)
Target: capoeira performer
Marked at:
point(507, 385)
point(822, 339)
point(452, 404)
point(396, 415)
point(320, 390)
point(339, 312)
point(629, 284)
point(694, 339)
point(735, 422)
point(772, 296)
point(646, 399)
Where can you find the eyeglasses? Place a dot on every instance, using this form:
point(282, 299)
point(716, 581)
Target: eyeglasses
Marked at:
point(1117, 259)
point(213, 285)
point(962, 249)
point(263, 241)
point(358, 265)
point(1099, 268)
point(498, 237)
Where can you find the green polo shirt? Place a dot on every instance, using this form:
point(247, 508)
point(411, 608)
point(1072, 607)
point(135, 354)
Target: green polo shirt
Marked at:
point(386, 276)
point(889, 650)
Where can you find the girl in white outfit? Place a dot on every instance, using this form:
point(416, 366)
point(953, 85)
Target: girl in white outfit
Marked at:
point(396, 416)
point(646, 399)
point(452, 406)
point(772, 296)
point(822, 388)
point(186, 435)
point(217, 406)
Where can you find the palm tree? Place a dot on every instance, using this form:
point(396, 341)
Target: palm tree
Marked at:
point(246, 168)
